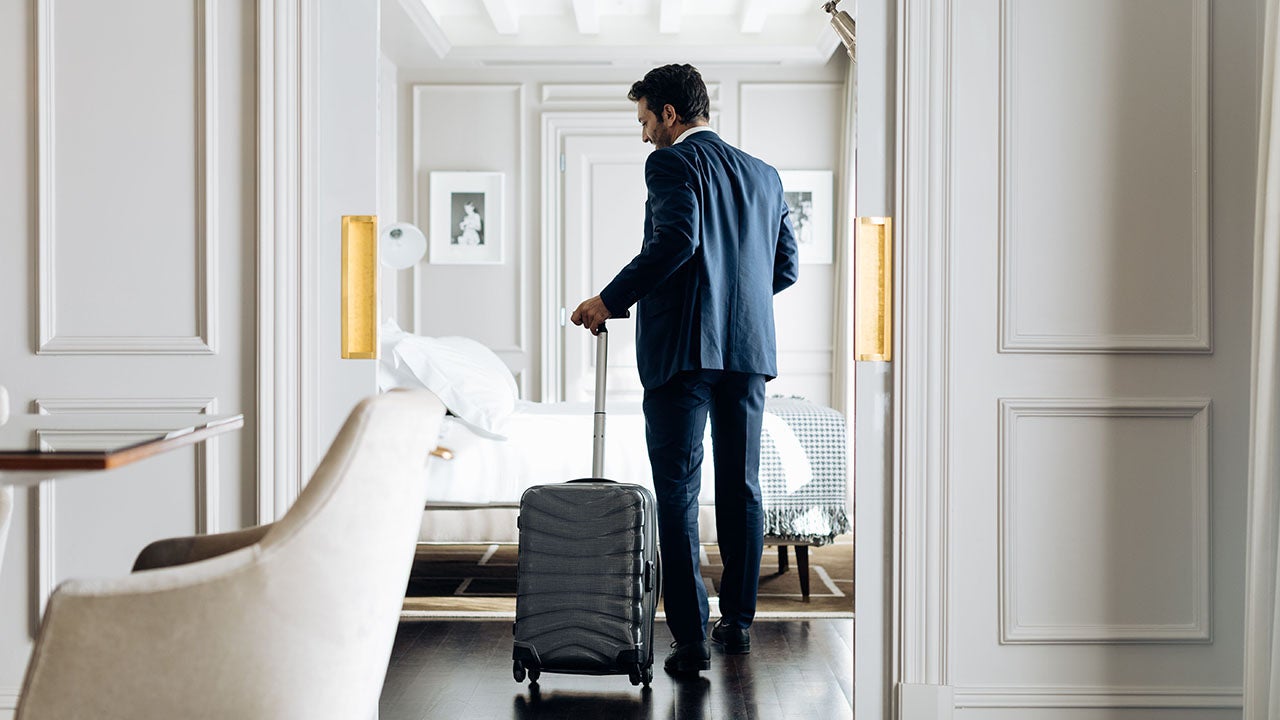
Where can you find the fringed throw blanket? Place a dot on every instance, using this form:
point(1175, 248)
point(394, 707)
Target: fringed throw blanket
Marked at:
point(803, 471)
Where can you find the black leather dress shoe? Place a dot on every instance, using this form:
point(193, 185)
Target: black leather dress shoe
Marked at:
point(735, 640)
point(688, 658)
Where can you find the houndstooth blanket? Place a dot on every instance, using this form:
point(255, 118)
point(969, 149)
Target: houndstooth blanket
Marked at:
point(803, 471)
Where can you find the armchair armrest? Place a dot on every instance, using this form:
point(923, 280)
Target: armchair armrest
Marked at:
point(183, 550)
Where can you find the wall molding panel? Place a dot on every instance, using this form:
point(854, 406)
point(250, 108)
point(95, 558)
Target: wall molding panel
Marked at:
point(204, 342)
point(117, 406)
point(1166, 422)
point(748, 90)
point(206, 470)
point(1163, 302)
point(516, 190)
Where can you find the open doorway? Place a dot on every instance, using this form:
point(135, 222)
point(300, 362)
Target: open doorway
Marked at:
point(560, 131)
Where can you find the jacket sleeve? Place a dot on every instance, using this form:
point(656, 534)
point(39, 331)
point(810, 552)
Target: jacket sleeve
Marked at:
point(786, 267)
point(673, 239)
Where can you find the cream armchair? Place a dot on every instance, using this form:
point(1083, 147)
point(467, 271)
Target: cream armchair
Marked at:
point(6, 492)
point(6, 517)
point(290, 620)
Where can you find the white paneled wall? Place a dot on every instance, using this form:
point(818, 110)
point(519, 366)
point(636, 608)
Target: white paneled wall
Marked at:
point(798, 126)
point(473, 127)
point(127, 181)
point(1077, 244)
point(492, 119)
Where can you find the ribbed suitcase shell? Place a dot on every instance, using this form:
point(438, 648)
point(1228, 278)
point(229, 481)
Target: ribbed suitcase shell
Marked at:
point(587, 579)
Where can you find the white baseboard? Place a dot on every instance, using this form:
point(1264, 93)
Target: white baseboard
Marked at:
point(1114, 696)
point(8, 702)
point(925, 702)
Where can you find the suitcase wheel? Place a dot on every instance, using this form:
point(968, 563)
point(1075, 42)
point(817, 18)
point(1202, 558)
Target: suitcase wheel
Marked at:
point(517, 671)
point(639, 675)
point(534, 674)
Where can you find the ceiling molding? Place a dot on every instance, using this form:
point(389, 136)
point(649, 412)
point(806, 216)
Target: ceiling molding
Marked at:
point(754, 14)
point(616, 32)
point(427, 26)
point(669, 12)
point(503, 14)
point(586, 14)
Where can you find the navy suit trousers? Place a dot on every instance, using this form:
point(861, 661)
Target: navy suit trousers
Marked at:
point(675, 416)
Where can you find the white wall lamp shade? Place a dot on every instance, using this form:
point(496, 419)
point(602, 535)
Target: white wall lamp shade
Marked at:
point(401, 245)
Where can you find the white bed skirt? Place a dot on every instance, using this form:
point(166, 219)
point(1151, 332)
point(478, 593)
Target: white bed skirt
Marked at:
point(488, 525)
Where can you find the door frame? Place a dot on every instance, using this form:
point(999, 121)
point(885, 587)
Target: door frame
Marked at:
point(894, 56)
point(556, 127)
point(283, 100)
point(920, 574)
point(299, 192)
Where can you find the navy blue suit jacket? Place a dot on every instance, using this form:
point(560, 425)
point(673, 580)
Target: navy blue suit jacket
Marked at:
point(718, 244)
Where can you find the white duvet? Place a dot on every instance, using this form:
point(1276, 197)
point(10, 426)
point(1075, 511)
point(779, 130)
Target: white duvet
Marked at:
point(551, 442)
point(546, 443)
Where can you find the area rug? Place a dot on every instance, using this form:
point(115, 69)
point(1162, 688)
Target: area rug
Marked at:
point(480, 581)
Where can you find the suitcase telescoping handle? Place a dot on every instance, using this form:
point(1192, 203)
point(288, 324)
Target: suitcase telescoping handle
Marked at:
point(602, 358)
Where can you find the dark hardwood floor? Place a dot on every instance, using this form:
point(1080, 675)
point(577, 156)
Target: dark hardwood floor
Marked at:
point(461, 669)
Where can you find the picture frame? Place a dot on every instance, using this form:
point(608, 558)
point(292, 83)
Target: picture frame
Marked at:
point(809, 200)
point(466, 218)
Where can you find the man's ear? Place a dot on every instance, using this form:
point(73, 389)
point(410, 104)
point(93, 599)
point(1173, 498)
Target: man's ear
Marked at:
point(669, 114)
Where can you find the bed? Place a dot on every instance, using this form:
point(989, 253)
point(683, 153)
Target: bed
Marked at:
point(802, 469)
point(502, 445)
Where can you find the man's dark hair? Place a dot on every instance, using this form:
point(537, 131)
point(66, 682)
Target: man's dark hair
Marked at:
point(679, 86)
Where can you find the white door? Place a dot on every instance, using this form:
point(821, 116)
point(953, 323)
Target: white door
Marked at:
point(603, 220)
point(345, 143)
point(1086, 253)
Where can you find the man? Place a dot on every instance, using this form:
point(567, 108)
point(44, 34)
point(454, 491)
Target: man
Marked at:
point(717, 246)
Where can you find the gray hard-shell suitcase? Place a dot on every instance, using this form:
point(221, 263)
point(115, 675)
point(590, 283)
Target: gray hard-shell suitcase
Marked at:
point(588, 575)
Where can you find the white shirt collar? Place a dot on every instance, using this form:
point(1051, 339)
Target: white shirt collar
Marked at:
point(691, 131)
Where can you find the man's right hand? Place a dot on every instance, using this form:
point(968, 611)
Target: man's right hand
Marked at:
point(591, 314)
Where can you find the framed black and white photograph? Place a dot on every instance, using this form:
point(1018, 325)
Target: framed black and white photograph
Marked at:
point(809, 203)
point(466, 218)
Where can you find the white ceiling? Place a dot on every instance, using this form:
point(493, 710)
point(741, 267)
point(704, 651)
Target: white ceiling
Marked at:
point(603, 32)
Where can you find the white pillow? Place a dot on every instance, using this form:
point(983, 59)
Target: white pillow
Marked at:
point(468, 377)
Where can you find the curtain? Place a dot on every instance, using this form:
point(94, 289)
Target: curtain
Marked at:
point(842, 365)
point(846, 225)
point(1262, 604)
